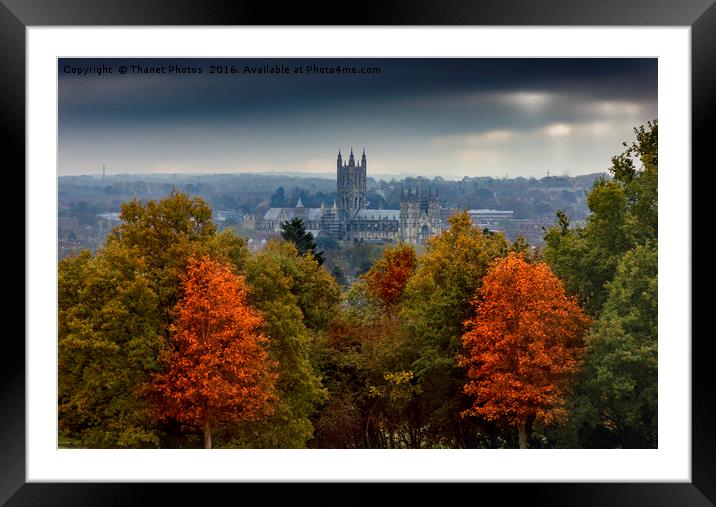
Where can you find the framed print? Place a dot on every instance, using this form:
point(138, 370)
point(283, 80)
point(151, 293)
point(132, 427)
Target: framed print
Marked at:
point(128, 94)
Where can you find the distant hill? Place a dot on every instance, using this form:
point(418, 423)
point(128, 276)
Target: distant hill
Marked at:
point(253, 193)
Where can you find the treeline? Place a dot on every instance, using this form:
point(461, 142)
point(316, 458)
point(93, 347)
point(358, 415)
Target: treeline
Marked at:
point(244, 193)
point(175, 335)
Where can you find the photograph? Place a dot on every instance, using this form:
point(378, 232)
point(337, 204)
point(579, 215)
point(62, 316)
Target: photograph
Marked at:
point(357, 253)
point(272, 251)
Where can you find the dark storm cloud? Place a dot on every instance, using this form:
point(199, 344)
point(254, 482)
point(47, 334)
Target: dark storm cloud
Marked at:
point(177, 96)
point(409, 102)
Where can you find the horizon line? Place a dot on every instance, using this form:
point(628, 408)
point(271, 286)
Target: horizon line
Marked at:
point(325, 175)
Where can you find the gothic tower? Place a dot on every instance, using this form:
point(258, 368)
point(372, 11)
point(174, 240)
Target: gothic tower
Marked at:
point(433, 213)
point(410, 215)
point(419, 215)
point(351, 182)
point(434, 210)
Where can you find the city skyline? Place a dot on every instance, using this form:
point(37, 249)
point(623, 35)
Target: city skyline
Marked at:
point(420, 117)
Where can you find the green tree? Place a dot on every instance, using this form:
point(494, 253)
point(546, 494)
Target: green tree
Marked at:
point(622, 365)
point(611, 263)
point(295, 297)
point(295, 231)
point(165, 234)
point(340, 423)
point(109, 336)
point(623, 215)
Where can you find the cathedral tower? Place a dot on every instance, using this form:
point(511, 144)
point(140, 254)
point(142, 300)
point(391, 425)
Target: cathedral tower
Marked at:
point(419, 214)
point(409, 215)
point(351, 182)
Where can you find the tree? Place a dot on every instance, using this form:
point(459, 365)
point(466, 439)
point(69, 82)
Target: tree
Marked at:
point(295, 232)
point(611, 264)
point(622, 364)
point(340, 422)
point(165, 233)
point(640, 182)
point(217, 369)
point(295, 297)
point(115, 308)
point(623, 215)
point(365, 359)
point(339, 276)
point(523, 346)
point(434, 307)
point(359, 256)
point(109, 335)
point(389, 275)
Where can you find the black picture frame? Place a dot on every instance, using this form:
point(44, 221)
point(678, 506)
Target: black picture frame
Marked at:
point(16, 15)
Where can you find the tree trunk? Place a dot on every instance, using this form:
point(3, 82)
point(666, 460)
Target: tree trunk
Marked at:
point(522, 427)
point(207, 434)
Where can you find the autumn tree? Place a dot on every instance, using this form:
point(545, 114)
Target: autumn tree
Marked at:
point(398, 379)
point(523, 345)
point(389, 275)
point(217, 369)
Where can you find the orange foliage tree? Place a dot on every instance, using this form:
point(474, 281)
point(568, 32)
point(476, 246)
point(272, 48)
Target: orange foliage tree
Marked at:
point(216, 367)
point(523, 346)
point(387, 277)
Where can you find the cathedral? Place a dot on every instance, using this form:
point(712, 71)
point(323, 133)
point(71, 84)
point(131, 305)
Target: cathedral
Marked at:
point(350, 219)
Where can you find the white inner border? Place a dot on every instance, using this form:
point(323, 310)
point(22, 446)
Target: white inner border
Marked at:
point(670, 462)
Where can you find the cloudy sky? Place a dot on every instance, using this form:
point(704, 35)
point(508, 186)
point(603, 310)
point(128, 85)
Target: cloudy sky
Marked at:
point(447, 117)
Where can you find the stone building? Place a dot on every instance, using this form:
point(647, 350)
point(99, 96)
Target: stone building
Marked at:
point(350, 219)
